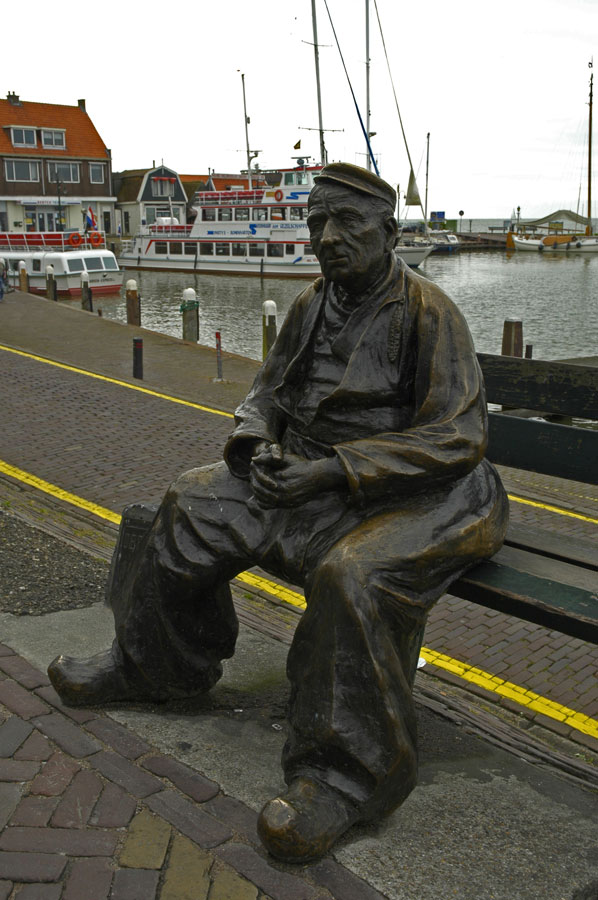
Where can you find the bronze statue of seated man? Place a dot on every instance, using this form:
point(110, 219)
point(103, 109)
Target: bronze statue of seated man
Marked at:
point(356, 469)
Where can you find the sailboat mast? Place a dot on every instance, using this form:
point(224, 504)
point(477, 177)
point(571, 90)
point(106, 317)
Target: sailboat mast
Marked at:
point(589, 225)
point(367, 78)
point(427, 166)
point(323, 154)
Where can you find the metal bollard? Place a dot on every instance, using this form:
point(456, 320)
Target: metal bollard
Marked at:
point(268, 326)
point(51, 287)
point(138, 358)
point(133, 303)
point(512, 338)
point(23, 277)
point(218, 357)
point(190, 310)
point(86, 298)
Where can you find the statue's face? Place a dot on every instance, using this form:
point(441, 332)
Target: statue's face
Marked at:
point(350, 235)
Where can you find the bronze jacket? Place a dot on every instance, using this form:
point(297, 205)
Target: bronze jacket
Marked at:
point(409, 412)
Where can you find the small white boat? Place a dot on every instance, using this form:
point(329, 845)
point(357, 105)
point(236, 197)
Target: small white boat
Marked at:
point(413, 252)
point(444, 241)
point(70, 255)
point(557, 243)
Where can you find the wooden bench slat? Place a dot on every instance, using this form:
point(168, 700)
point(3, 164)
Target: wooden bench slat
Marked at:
point(555, 546)
point(558, 450)
point(551, 387)
point(560, 607)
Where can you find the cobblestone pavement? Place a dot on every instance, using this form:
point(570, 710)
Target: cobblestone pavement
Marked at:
point(90, 811)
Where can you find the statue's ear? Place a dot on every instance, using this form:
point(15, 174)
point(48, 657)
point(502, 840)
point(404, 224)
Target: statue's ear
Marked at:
point(392, 232)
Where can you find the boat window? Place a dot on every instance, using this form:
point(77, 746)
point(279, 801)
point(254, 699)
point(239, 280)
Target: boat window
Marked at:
point(256, 249)
point(110, 263)
point(289, 178)
point(190, 249)
point(225, 215)
point(260, 214)
point(275, 249)
point(176, 248)
point(75, 264)
point(241, 214)
point(13, 264)
point(298, 213)
point(93, 263)
point(222, 249)
point(308, 250)
point(278, 213)
point(36, 265)
point(208, 215)
point(161, 248)
point(302, 178)
point(206, 249)
point(289, 249)
point(239, 249)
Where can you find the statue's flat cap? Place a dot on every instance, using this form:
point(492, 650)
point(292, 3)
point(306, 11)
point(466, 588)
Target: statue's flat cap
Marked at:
point(357, 179)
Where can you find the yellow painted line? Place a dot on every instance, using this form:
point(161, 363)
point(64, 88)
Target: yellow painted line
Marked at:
point(132, 387)
point(47, 488)
point(554, 509)
point(520, 695)
point(220, 412)
point(493, 683)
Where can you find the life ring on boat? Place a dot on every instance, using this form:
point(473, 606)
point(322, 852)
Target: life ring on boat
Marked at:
point(278, 196)
point(95, 238)
point(75, 239)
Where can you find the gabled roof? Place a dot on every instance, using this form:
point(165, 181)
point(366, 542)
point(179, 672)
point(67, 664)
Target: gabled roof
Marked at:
point(82, 139)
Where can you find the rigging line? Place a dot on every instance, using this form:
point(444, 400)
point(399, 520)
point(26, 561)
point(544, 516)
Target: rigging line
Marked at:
point(394, 93)
point(363, 128)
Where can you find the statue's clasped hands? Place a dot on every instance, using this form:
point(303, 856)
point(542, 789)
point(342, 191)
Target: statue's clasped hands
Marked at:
point(285, 479)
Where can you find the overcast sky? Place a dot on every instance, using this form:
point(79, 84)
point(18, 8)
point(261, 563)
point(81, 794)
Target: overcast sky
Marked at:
point(502, 88)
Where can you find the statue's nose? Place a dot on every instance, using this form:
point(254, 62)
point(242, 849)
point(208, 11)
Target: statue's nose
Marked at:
point(331, 233)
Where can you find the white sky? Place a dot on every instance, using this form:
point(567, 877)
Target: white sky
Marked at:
point(502, 88)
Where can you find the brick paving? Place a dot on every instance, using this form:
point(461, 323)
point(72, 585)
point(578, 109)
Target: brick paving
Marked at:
point(78, 791)
point(89, 811)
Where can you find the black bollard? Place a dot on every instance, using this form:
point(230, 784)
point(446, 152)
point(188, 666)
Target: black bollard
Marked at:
point(138, 358)
point(218, 357)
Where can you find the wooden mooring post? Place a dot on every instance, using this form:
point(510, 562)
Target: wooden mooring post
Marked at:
point(51, 286)
point(190, 310)
point(23, 277)
point(86, 298)
point(512, 338)
point(268, 326)
point(133, 303)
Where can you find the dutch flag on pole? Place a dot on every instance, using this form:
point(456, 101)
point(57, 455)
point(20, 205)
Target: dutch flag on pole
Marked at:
point(91, 220)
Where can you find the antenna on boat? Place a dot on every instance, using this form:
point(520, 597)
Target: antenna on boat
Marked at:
point(367, 77)
point(251, 154)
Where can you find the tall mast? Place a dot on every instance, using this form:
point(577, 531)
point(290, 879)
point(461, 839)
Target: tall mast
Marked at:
point(323, 155)
point(367, 78)
point(247, 135)
point(589, 225)
point(427, 162)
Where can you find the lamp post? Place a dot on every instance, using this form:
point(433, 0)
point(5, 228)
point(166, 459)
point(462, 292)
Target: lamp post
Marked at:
point(84, 217)
point(59, 190)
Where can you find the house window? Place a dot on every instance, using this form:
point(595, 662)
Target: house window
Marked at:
point(96, 173)
point(18, 170)
point(163, 187)
point(53, 139)
point(23, 137)
point(63, 171)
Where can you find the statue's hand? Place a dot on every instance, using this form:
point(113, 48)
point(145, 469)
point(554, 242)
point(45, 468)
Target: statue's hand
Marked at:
point(285, 480)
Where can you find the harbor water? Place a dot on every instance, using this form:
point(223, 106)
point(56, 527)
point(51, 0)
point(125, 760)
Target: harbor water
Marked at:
point(556, 296)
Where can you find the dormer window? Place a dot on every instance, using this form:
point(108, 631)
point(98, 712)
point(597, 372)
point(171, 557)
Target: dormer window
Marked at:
point(53, 139)
point(23, 137)
point(163, 186)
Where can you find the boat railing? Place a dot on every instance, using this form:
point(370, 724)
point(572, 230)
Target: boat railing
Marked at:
point(170, 229)
point(228, 198)
point(52, 240)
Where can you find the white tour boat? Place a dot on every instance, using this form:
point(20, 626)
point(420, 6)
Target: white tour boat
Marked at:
point(70, 255)
point(262, 231)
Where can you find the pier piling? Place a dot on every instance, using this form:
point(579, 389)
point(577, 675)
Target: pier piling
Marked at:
point(51, 290)
point(190, 310)
point(23, 277)
point(268, 326)
point(512, 338)
point(133, 303)
point(86, 297)
point(138, 358)
point(218, 357)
